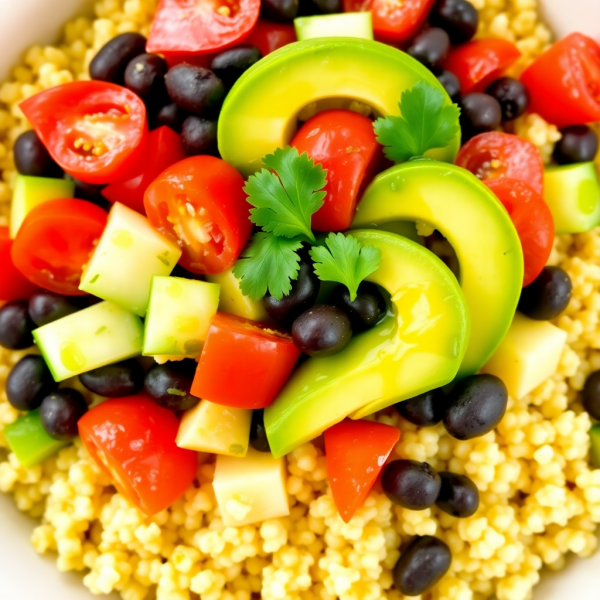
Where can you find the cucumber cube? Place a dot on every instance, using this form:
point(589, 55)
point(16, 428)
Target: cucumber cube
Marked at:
point(129, 253)
point(595, 445)
point(27, 438)
point(351, 24)
point(94, 337)
point(33, 191)
point(179, 315)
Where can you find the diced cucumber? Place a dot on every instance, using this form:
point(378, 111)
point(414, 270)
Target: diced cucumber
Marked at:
point(595, 445)
point(94, 337)
point(28, 439)
point(352, 24)
point(179, 315)
point(30, 192)
point(232, 300)
point(129, 253)
point(573, 194)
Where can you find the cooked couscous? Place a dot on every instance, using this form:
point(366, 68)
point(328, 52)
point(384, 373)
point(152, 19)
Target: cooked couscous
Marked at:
point(540, 499)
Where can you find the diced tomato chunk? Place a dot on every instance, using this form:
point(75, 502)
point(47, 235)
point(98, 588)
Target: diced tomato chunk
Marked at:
point(13, 285)
point(268, 37)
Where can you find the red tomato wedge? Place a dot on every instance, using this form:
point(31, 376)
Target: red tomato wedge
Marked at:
point(494, 155)
point(393, 21)
point(344, 143)
point(55, 242)
point(268, 37)
point(532, 219)
point(163, 149)
point(200, 204)
point(133, 441)
point(96, 131)
point(200, 26)
point(356, 452)
point(478, 63)
point(13, 285)
point(564, 82)
point(243, 364)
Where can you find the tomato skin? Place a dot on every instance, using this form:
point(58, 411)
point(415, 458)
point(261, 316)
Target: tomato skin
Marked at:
point(55, 242)
point(133, 441)
point(479, 62)
point(393, 24)
point(564, 82)
point(243, 364)
point(268, 37)
point(195, 26)
point(201, 194)
point(327, 138)
point(532, 219)
point(64, 115)
point(517, 158)
point(356, 452)
point(13, 285)
point(163, 149)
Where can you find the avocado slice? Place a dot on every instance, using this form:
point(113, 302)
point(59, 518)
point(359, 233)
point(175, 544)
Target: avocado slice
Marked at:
point(472, 219)
point(418, 346)
point(260, 112)
point(351, 24)
point(573, 194)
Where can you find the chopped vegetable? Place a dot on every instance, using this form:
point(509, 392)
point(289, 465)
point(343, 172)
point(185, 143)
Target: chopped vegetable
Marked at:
point(350, 24)
point(13, 285)
point(426, 123)
point(268, 37)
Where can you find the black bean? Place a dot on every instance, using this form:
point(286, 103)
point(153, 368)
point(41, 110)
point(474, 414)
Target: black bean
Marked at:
point(547, 296)
point(112, 59)
point(258, 433)
point(319, 7)
point(512, 96)
point(195, 89)
point(145, 75)
point(591, 395)
point(60, 413)
point(199, 136)
point(169, 384)
point(424, 410)
point(411, 484)
point(475, 406)
point(459, 496)
point(120, 379)
point(458, 18)
point(16, 325)
point(422, 564)
point(366, 310)
point(29, 382)
point(32, 158)
point(322, 331)
point(171, 116)
point(479, 113)
point(578, 144)
point(279, 10)
point(47, 307)
point(430, 47)
point(231, 64)
point(451, 84)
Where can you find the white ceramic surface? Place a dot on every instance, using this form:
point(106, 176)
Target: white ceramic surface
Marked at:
point(26, 576)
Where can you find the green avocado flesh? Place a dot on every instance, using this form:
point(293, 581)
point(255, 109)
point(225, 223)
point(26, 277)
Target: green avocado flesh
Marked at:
point(418, 346)
point(573, 194)
point(486, 243)
point(260, 113)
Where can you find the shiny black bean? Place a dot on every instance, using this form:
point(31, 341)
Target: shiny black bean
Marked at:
point(32, 158)
point(459, 496)
point(591, 395)
point(430, 47)
point(231, 64)
point(547, 296)
point(145, 75)
point(459, 18)
point(480, 113)
point(171, 116)
point(60, 413)
point(512, 96)
point(322, 331)
point(366, 310)
point(199, 136)
point(29, 382)
point(195, 89)
point(451, 84)
point(112, 59)
point(47, 307)
point(169, 384)
point(279, 10)
point(424, 410)
point(579, 143)
point(16, 325)
point(258, 433)
point(411, 484)
point(115, 381)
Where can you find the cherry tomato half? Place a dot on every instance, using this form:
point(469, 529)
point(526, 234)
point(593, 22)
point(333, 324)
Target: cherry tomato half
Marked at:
point(393, 21)
point(532, 219)
point(356, 452)
point(564, 82)
point(243, 364)
point(55, 242)
point(268, 37)
point(163, 149)
point(478, 63)
point(96, 131)
point(13, 286)
point(133, 441)
point(344, 143)
point(200, 26)
point(494, 155)
point(200, 204)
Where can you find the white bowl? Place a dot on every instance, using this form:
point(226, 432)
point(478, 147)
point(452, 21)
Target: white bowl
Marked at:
point(26, 576)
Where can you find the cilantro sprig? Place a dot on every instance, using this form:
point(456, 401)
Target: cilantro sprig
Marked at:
point(344, 260)
point(425, 123)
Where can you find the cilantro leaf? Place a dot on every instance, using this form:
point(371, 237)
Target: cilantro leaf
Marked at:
point(285, 194)
point(268, 263)
point(425, 123)
point(345, 261)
